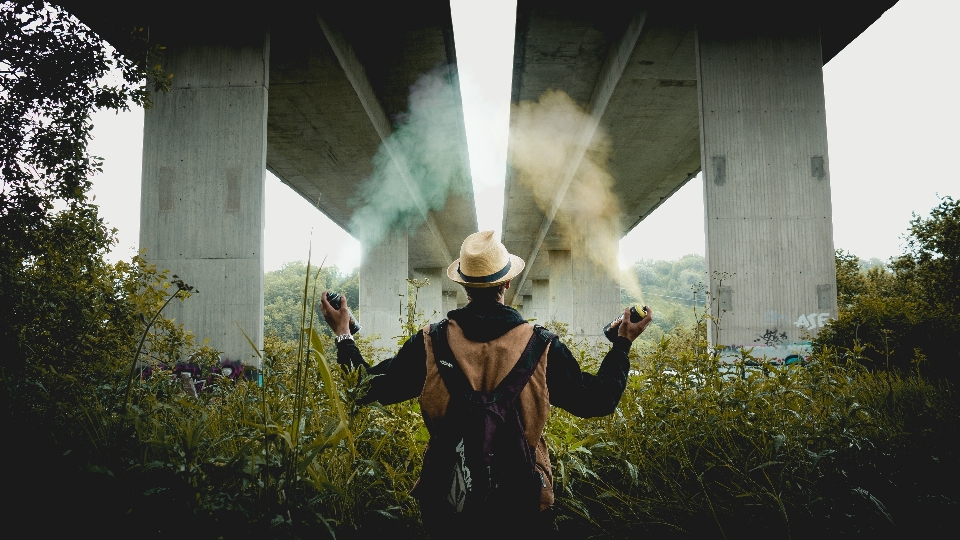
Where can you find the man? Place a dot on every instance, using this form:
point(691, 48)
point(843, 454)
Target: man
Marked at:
point(486, 339)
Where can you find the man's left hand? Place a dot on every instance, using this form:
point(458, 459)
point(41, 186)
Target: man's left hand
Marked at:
point(632, 330)
point(339, 320)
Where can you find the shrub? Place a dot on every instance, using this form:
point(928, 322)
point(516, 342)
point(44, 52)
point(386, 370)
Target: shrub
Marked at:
point(907, 317)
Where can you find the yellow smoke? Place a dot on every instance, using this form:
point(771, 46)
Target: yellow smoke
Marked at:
point(548, 138)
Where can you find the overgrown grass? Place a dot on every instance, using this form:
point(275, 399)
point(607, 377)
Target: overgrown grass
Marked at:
point(695, 449)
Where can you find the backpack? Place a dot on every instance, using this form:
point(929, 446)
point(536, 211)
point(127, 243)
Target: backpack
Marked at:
point(479, 460)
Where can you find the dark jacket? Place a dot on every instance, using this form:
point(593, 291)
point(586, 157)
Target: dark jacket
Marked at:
point(582, 394)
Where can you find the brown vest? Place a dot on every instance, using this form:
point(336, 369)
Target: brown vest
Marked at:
point(485, 365)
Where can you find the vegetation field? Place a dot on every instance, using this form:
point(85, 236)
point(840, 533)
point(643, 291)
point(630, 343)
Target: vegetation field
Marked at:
point(119, 422)
point(832, 448)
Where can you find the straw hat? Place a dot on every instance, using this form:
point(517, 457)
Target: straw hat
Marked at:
point(484, 262)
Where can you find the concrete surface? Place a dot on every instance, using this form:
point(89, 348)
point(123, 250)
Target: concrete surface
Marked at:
point(766, 186)
point(202, 189)
point(339, 77)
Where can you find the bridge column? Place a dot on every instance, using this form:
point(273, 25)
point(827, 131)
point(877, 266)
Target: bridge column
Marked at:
point(763, 140)
point(430, 298)
point(540, 301)
point(383, 289)
point(596, 297)
point(526, 305)
point(202, 197)
point(561, 286)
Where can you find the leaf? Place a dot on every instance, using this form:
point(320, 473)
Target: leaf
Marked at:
point(765, 465)
point(250, 341)
point(331, 389)
point(633, 473)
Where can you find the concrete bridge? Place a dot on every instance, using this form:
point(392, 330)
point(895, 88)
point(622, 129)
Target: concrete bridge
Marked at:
point(316, 94)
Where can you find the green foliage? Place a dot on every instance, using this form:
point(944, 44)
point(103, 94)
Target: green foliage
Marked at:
point(66, 312)
point(52, 77)
point(906, 316)
point(672, 278)
point(671, 288)
point(283, 292)
point(294, 457)
point(698, 450)
point(76, 319)
point(695, 448)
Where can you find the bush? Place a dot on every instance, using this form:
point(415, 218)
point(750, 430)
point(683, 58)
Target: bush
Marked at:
point(908, 317)
point(699, 450)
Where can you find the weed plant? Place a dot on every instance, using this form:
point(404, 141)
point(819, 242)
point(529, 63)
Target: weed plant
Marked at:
point(695, 449)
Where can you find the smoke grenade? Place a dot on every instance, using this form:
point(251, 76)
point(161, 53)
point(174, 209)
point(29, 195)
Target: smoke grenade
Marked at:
point(635, 317)
point(334, 299)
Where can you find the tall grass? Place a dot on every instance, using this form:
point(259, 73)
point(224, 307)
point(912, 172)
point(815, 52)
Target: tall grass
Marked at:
point(694, 450)
point(697, 449)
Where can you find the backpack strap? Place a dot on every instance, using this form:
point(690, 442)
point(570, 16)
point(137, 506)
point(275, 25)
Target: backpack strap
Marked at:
point(453, 376)
point(511, 385)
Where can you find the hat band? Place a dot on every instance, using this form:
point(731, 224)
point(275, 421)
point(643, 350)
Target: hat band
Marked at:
point(485, 279)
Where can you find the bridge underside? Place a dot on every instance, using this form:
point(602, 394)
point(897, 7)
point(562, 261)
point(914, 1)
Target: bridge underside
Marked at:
point(669, 91)
point(318, 95)
point(664, 89)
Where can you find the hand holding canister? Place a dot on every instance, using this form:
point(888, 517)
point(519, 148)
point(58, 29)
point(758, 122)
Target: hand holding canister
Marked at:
point(334, 299)
point(611, 330)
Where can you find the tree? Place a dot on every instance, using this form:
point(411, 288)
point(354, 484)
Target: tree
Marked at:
point(52, 78)
point(68, 318)
point(929, 271)
point(283, 297)
point(909, 314)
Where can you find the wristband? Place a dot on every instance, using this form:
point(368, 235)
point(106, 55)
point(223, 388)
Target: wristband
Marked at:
point(343, 337)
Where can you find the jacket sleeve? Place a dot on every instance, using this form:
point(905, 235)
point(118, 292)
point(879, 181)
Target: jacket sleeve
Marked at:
point(398, 378)
point(583, 394)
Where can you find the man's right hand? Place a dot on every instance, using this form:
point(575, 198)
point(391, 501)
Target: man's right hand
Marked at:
point(632, 330)
point(339, 321)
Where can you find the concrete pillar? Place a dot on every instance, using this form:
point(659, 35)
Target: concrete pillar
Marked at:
point(202, 202)
point(430, 297)
point(540, 301)
point(763, 140)
point(449, 303)
point(526, 304)
point(596, 297)
point(383, 290)
point(561, 287)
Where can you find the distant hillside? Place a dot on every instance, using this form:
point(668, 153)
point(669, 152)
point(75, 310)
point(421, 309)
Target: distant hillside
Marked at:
point(671, 288)
point(283, 296)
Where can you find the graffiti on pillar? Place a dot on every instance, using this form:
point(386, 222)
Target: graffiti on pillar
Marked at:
point(812, 321)
point(773, 346)
point(772, 337)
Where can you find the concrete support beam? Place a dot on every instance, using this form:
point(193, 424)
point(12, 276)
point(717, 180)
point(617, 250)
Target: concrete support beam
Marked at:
point(610, 74)
point(383, 289)
point(561, 286)
point(766, 187)
point(596, 297)
point(384, 127)
point(430, 297)
point(526, 305)
point(202, 200)
point(540, 301)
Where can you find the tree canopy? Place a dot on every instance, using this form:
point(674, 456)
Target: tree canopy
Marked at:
point(283, 296)
point(905, 314)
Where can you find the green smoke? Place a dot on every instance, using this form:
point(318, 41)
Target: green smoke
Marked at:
point(426, 148)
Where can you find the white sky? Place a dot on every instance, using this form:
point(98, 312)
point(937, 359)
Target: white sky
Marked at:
point(892, 116)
